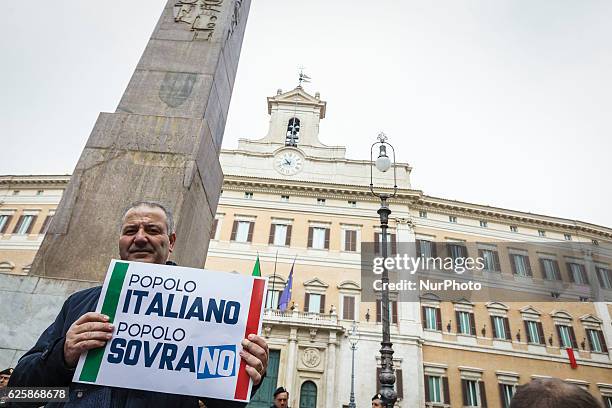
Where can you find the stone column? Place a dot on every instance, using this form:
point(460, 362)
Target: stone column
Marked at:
point(162, 143)
point(330, 371)
point(291, 362)
point(408, 306)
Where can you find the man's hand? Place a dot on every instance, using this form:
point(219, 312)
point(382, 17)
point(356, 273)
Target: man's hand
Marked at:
point(92, 330)
point(255, 352)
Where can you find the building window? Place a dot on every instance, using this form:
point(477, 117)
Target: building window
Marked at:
point(567, 237)
point(318, 238)
point(542, 233)
point(24, 224)
point(4, 222)
point(285, 198)
point(422, 214)
point(314, 303)
point(352, 203)
point(604, 276)
point(392, 311)
point(567, 338)
point(490, 259)
point(456, 251)
point(46, 224)
point(577, 273)
point(466, 323)
point(483, 224)
point(391, 243)
point(452, 218)
point(506, 391)
point(535, 332)
point(608, 402)
point(550, 269)
point(473, 393)
point(434, 389)
point(513, 228)
point(348, 307)
point(242, 231)
point(425, 249)
point(280, 234)
point(248, 195)
point(320, 201)
point(350, 240)
point(272, 299)
point(501, 328)
point(432, 319)
point(520, 265)
point(597, 342)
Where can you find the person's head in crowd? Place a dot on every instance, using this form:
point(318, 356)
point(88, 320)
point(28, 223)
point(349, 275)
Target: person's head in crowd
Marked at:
point(552, 393)
point(4, 377)
point(281, 398)
point(147, 233)
point(377, 401)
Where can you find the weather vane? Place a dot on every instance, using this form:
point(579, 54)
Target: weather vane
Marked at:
point(303, 77)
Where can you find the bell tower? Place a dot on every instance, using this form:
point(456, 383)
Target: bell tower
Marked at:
point(294, 118)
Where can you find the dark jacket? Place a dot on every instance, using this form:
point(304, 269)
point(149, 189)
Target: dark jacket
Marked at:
point(43, 366)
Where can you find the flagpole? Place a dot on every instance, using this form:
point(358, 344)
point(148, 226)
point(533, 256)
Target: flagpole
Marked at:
point(273, 280)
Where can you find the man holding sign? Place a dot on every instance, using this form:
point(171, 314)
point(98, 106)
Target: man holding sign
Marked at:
point(146, 236)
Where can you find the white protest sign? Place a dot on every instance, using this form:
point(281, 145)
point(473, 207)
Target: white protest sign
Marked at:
point(177, 330)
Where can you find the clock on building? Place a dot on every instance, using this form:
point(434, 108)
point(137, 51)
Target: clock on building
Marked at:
point(288, 162)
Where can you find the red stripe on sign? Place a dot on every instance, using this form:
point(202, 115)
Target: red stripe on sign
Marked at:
point(242, 385)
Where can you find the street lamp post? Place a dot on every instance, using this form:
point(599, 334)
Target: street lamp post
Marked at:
point(383, 163)
point(353, 337)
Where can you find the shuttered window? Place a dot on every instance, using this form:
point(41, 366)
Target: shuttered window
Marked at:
point(520, 265)
point(550, 269)
point(348, 307)
point(392, 311)
point(466, 323)
point(25, 224)
point(535, 332)
point(350, 240)
point(431, 318)
point(314, 303)
point(4, 222)
point(242, 231)
point(280, 234)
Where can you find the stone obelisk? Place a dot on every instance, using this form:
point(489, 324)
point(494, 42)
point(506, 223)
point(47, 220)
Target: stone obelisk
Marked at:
point(161, 144)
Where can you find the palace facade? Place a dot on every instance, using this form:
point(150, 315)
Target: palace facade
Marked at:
point(288, 198)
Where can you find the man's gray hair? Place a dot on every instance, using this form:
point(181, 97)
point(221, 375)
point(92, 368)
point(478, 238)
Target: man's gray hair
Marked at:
point(153, 204)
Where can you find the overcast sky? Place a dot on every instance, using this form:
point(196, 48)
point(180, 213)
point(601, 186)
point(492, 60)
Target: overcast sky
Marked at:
point(505, 103)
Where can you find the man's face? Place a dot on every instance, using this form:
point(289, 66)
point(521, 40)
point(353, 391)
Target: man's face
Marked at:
point(4, 378)
point(377, 403)
point(281, 400)
point(144, 236)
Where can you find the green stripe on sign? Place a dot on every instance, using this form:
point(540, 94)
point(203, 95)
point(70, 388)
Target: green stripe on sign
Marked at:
point(109, 308)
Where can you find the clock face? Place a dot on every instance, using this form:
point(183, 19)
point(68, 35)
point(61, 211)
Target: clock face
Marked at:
point(288, 163)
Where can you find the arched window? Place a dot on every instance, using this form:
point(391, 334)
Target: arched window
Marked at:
point(308, 395)
point(293, 132)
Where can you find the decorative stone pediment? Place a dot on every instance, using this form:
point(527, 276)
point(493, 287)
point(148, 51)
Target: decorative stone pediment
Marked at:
point(297, 96)
point(316, 283)
point(349, 286)
point(589, 318)
point(561, 315)
point(530, 310)
point(497, 306)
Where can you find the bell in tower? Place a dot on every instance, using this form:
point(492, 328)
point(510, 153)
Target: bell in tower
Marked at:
point(293, 132)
